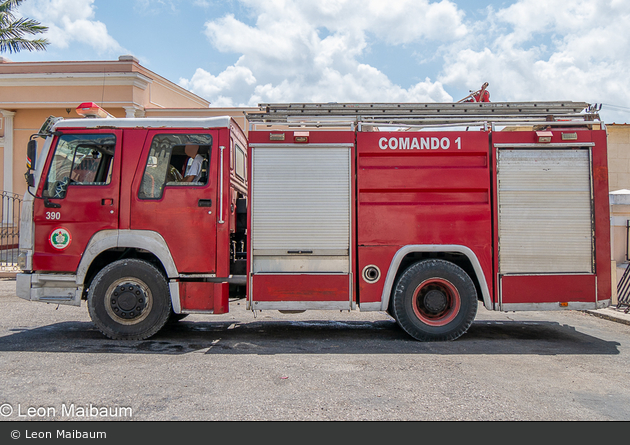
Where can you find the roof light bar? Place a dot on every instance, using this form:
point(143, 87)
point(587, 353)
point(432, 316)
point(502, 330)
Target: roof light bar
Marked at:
point(92, 110)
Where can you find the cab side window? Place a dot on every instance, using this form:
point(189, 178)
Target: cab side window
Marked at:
point(240, 163)
point(175, 160)
point(80, 159)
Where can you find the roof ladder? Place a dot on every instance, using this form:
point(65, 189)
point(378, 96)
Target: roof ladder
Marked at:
point(411, 114)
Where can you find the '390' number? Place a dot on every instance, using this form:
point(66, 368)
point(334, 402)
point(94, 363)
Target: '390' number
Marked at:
point(53, 215)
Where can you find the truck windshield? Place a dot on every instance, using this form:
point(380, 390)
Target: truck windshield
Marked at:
point(81, 159)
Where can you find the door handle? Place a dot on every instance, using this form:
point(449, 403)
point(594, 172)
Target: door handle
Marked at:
point(107, 202)
point(204, 203)
point(51, 205)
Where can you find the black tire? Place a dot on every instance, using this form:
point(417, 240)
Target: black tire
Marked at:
point(434, 300)
point(129, 300)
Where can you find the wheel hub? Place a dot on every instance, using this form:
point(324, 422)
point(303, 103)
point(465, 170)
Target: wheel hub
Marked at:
point(128, 300)
point(435, 301)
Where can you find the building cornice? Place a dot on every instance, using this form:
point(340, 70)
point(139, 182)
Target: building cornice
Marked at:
point(134, 79)
point(183, 91)
point(75, 79)
point(50, 104)
point(126, 71)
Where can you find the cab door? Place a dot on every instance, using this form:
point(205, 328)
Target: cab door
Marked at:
point(183, 213)
point(80, 197)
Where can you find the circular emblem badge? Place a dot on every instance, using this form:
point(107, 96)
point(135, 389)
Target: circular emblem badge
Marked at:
point(60, 238)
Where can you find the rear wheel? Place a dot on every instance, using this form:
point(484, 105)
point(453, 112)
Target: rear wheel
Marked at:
point(129, 300)
point(434, 300)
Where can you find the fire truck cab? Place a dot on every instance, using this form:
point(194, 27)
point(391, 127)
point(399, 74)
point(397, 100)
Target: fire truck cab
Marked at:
point(418, 210)
point(113, 213)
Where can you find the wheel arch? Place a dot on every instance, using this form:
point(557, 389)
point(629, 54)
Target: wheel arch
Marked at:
point(407, 255)
point(110, 245)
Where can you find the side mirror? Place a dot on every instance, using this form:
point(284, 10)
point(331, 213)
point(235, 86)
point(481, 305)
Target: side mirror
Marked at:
point(31, 154)
point(30, 179)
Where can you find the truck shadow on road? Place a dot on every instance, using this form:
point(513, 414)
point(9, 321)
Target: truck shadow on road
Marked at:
point(312, 337)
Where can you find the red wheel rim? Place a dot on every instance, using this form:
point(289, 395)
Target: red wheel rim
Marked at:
point(436, 302)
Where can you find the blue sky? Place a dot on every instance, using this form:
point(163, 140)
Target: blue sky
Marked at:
point(245, 52)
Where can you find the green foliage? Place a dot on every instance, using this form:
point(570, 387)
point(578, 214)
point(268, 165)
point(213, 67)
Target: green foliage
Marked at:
point(13, 30)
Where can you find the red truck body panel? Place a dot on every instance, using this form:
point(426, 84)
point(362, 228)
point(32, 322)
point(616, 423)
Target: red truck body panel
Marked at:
point(421, 188)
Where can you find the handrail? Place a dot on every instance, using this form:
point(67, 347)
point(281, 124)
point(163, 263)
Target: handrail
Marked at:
point(11, 207)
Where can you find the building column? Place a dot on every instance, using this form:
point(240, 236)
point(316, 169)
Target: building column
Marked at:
point(8, 150)
point(133, 112)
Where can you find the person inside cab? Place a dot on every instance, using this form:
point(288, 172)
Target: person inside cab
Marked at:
point(194, 167)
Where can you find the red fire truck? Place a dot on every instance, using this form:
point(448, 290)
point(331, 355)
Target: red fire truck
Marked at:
point(420, 210)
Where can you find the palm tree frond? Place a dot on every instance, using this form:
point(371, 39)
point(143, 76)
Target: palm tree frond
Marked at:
point(8, 5)
point(17, 45)
point(12, 30)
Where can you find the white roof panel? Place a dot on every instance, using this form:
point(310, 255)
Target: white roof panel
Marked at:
point(182, 122)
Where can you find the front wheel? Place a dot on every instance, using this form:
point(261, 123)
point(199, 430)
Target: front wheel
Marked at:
point(129, 300)
point(434, 300)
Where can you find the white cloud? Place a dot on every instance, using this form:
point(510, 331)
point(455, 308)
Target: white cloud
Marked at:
point(310, 51)
point(551, 50)
point(528, 17)
point(230, 80)
point(528, 50)
point(71, 21)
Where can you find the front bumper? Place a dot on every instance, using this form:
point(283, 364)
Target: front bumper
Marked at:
point(49, 288)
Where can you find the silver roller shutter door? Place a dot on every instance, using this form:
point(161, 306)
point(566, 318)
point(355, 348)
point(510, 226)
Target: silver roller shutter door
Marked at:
point(301, 202)
point(545, 211)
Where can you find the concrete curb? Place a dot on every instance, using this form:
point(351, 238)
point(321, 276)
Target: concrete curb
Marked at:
point(612, 313)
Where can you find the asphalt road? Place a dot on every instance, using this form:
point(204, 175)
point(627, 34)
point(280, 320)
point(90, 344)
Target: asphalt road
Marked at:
point(313, 366)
